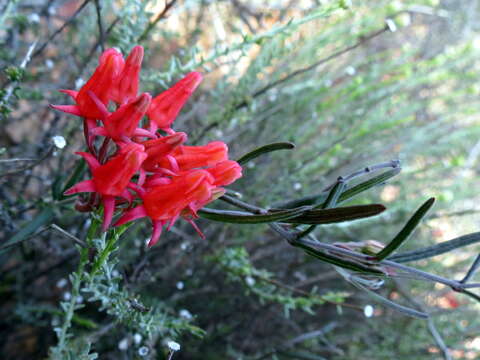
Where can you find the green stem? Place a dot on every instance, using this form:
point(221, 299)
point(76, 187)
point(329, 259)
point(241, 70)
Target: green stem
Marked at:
point(78, 277)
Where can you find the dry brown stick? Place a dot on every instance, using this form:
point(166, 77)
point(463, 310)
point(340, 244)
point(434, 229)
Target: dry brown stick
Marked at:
point(60, 29)
point(159, 17)
point(98, 42)
point(101, 33)
point(30, 166)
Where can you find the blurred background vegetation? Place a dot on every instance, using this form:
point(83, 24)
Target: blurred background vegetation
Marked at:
point(351, 84)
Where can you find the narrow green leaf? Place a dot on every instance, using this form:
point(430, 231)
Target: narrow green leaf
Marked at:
point(336, 215)
point(331, 202)
point(335, 260)
point(345, 195)
point(43, 218)
point(83, 321)
point(239, 217)
point(437, 249)
point(406, 231)
point(333, 196)
point(366, 185)
point(265, 149)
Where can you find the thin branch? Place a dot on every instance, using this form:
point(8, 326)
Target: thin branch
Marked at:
point(16, 159)
point(454, 213)
point(302, 292)
point(431, 325)
point(361, 41)
point(60, 29)
point(438, 339)
point(101, 34)
point(159, 17)
point(473, 269)
point(30, 166)
point(367, 170)
point(68, 235)
point(394, 164)
point(42, 230)
point(98, 42)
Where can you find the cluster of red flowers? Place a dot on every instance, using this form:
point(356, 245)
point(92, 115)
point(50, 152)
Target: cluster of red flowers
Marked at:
point(150, 172)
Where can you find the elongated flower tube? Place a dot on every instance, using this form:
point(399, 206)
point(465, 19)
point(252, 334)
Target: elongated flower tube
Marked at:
point(166, 106)
point(112, 178)
point(124, 121)
point(125, 87)
point(110, 65)
point(225, 172)
point(158, 149)
point(164, 203)
point(193, 157)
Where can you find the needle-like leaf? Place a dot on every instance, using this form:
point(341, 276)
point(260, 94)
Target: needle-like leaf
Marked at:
point(407, 230)
point(239, 217)
point(265, 149)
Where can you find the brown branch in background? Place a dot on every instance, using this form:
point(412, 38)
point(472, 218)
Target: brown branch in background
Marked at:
point(243, 11)
point(60, 29)
point(30, 166)
point(101, 34)
point(361, 41)
point(55, 227)
point(99, 41)
point(159, 17)
point(431, 325)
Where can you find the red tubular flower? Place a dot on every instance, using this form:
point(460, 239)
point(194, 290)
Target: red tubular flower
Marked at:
point(166, 106)
point(225, 172)
point(112, 178)
point(110, 65)
point(124, 121)
point(191, 157)
point(159, 148)
point(173, 180)
point(164, 203)
point(126, 84)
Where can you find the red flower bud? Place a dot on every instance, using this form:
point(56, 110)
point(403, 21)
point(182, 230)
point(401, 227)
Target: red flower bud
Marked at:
point(159, 148)
point(166, 106)
point(225, 172)
point(166, 202)
point(126, 84)
point(113, 177)
point(124, 121)
point(100, 84)
point(192, 157)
